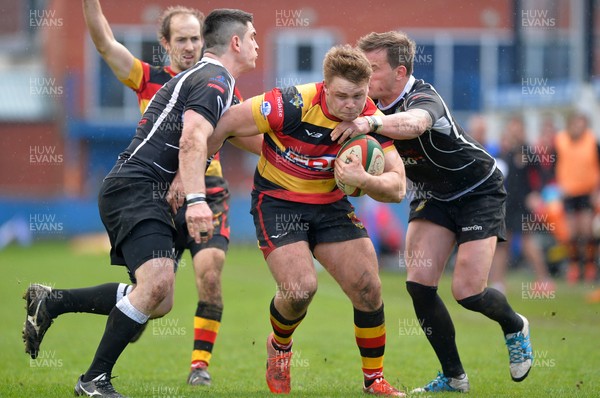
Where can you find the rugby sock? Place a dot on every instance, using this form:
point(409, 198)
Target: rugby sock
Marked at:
point(124, 321)
point(437, 325)
point(206, 327)
point(283, 328)
point(95, 300)
point(494, 305)
point(369, 329)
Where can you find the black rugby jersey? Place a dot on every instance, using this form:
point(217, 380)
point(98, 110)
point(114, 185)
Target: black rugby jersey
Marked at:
point(206, 88)
point(444, 161)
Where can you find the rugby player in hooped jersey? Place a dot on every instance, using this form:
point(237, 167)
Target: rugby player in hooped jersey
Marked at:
point(299, 212)
point(170, 138)
point(459, 199)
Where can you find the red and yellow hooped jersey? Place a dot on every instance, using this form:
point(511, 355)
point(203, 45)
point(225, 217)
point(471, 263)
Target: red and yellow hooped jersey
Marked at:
point(298, 155)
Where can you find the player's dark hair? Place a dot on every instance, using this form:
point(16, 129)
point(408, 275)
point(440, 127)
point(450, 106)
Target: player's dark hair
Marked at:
point(164, 21)
point(346, 62)
point(400, 49)
point(221, 25)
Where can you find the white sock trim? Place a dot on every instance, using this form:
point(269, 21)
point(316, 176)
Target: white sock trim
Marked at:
point(122, 291)
point(128, 309)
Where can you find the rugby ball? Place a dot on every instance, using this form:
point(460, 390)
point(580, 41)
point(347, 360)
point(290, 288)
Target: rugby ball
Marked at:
point(369, 152)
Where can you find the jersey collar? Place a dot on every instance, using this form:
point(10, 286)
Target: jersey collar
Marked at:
point(170, 70)
point(212, 61)
point(407, 88)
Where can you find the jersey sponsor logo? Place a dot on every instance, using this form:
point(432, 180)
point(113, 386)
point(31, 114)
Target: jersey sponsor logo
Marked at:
point(409, 161)
point(472, 228)
point(297, 100)
point(265, 109)
point(314, 163)
point(410, 156)
point(313, 134)
point(279, 101)
point(217, 87)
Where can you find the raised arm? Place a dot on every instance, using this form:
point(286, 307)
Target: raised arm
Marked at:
point(116, 55)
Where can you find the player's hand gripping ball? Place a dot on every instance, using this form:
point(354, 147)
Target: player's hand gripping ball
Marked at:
point(369, 153)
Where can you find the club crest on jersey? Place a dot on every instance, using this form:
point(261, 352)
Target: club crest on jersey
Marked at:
point(297, 100)
point(219, 80)
point(355, 220)
point(265, 109)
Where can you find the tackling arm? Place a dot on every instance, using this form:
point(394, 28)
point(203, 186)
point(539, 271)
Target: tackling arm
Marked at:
point(406, 125)
point(238, 121)
point(252, 144)
point(192, 161)
point(398, 126)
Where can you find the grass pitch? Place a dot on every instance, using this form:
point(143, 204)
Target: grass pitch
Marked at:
point(565, 336)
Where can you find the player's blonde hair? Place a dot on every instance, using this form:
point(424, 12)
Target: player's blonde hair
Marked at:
point(164, 21)
point(346, 62)
point(400, 49)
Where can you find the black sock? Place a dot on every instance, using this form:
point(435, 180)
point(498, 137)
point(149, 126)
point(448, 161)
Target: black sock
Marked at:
point(437, 326)
point(96, 299)
point(494, 305)
point(120, 328)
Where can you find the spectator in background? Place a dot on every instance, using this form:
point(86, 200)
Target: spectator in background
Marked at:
point(549, 204)
point(578, 176)
point(477, 128)
point(385, 230)
point(521, 180)
point(544, 146)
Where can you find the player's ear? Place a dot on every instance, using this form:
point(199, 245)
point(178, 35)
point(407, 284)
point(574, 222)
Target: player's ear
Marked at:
point(400, 71)
point(165, 44)
point(236, 43)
